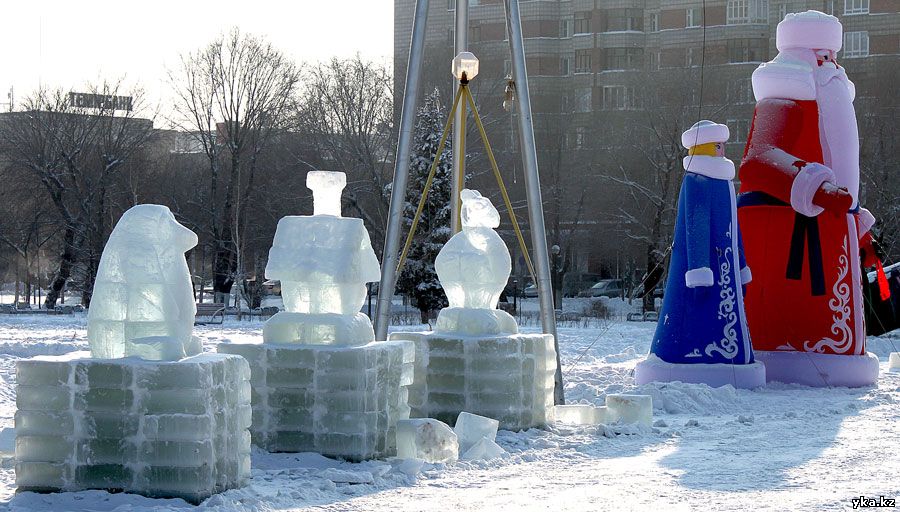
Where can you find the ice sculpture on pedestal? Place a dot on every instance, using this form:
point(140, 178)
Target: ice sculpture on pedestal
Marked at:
point(171, 428)
point(321, 383)
point(143, 300)
point(475, 360)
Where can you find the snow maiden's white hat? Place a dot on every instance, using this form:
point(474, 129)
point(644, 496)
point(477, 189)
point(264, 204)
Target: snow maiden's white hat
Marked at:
point(704, 132)
point(811, 29)
point(707, 164)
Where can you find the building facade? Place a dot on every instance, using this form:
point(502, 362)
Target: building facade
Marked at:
point(613, 81)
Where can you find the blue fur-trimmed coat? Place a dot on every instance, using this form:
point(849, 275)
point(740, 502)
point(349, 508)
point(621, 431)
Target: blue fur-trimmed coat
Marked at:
point(702, 318)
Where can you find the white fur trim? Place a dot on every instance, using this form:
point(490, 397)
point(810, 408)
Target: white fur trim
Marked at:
point(698, 277)
point(805, 185)
point(705, 132)
point(866, 221)
point(717, 167)
point(811, 29)
point(785, 78)
point(746, 275)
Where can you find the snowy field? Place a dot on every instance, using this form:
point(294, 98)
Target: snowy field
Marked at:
point(780, 448)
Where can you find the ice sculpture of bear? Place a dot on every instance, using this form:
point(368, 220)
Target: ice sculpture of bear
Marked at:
point(473, 268)
point(143, 302)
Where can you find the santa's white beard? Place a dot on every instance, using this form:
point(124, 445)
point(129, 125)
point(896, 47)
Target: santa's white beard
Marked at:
point(837, 126)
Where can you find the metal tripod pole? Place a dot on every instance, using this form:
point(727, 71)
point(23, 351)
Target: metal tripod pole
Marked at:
point(533, 184)
point(401, 172)
point(461, 34)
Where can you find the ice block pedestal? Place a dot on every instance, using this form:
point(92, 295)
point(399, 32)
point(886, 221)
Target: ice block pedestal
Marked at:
point(157, 428)
point(340, 401)
point(505, 377)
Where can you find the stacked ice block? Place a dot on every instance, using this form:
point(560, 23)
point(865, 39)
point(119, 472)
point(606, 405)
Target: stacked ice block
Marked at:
point(340, 401)
point(161, 429)
point(508, 378)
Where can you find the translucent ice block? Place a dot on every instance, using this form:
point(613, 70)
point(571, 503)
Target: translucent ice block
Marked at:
point(471, 428)
point(427, 439)
point(894, 362)
point(484, 449)
point(630, 409)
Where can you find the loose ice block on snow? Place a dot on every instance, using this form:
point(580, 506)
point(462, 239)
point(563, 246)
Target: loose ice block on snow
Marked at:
point(471, 428)
point(340, 401)
point(506, 377)
point(484, 449)
point(161, 429)
point(428, 439)
point(894, 361)
point(630, 409)
point(580, 414)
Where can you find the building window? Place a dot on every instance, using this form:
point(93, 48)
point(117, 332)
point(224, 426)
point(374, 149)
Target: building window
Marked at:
point(654, 22)
point(582, 61)
point(694, 17)
point(618, 97)
point(693, 57)
point(739, 12)
point(748, 50)
point(740, 130)
point(565, 28)
point(475, 33)
point(583, 22)
point(507, 67)
point(564, 105)
point(624, 20)
point(856, 44)
point(583, 99)
point(450, 36)
point(580, 137)
point(781, 11)
point(565, 66)
point(740, 91)
point(856, 6)
point(654, 61)
point(829, 7)
point(624, 58)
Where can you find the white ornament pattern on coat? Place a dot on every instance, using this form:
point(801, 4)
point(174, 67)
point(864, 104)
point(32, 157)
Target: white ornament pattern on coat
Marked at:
point(727, 347)
point(840, 306)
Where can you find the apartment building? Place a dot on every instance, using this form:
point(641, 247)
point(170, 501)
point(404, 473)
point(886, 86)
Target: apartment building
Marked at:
point(600, 68)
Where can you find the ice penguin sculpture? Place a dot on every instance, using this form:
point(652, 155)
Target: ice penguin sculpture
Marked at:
point(702, 334)
point(473, 268)
point(143, 302)
point(323, 262)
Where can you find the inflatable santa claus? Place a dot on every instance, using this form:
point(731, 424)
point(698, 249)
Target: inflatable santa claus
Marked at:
point(799, 212)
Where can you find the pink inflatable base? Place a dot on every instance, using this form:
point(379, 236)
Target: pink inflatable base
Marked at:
point(745, 376)
point(819, 370)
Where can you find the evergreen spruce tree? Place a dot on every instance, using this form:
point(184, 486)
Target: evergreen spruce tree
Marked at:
point(418, 280)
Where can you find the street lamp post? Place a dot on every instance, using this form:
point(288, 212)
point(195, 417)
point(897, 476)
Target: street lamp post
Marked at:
point(557, 277)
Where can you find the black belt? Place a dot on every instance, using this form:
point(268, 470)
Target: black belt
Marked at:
point(806, 229)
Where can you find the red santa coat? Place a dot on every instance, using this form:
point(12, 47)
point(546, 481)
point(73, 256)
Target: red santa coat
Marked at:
point(806, 294)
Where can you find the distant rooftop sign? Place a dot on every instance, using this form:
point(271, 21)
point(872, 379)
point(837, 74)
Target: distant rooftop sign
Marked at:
point(99, 101)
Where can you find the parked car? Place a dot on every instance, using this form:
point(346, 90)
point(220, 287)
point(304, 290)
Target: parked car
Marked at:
point(606, 288)
point(530, 291)
point(575, 283)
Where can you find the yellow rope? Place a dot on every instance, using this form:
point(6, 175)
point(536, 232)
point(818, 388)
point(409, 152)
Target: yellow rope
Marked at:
point(496, 169)
point(431, 173)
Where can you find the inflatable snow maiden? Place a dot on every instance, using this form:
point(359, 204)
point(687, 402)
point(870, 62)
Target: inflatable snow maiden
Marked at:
point(702, 332)
point(800, 215)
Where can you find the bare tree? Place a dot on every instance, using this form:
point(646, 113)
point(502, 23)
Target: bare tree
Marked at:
point(233, 95)
point(345, 114)
point(75, 154)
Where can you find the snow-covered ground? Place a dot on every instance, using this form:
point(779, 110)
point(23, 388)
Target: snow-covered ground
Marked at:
point(779, 448)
